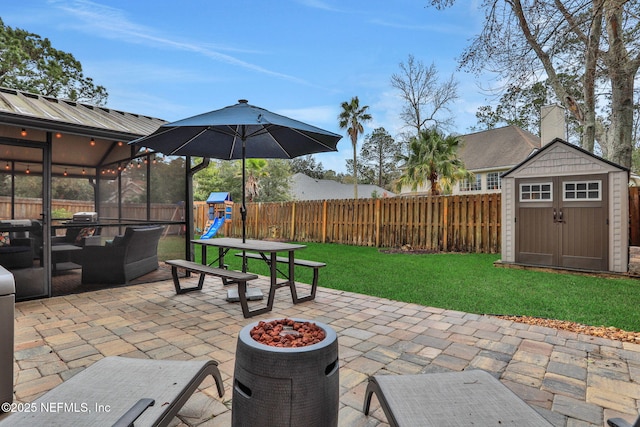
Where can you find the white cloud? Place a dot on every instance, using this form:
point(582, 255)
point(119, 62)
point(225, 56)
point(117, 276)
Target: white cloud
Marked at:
point(109, 22)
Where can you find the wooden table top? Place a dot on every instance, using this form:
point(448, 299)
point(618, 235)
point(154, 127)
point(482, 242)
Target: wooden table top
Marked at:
point(250, 245)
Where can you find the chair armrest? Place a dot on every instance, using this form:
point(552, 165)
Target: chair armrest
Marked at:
point(59, 240)
point(134, 412)
point(21, 241)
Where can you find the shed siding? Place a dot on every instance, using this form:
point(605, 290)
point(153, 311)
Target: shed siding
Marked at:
point(618, 222)
point(508, 237)
point(561, 160)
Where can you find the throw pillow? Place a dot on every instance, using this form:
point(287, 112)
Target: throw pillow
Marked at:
point(85, 232)
point(4, 239)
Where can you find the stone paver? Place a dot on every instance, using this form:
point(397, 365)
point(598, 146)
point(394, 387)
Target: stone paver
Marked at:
point(571, 379)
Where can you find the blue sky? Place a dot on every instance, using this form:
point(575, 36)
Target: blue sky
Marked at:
point(300, 58)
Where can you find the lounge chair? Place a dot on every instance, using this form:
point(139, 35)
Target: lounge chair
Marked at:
point(619, 422)
point(116, 391)
point(449, 399)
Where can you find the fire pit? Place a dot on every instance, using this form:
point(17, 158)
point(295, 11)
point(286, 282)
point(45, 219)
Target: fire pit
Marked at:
point(286, 374)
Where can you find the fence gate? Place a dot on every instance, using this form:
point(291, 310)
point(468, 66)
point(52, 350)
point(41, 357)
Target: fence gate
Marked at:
point(563, 221)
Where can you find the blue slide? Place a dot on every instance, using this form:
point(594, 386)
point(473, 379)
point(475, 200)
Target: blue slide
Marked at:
point(217, 222)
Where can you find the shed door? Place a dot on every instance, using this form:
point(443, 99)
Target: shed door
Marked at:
point(562, 221)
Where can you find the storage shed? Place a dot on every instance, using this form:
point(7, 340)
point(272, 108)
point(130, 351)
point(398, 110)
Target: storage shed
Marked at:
point(567, 208)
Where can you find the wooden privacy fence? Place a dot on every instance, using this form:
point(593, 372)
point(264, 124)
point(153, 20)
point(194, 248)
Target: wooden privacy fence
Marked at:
point(469, 223)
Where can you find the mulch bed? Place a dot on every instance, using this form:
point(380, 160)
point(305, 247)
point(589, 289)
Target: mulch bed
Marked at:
point(596, 331)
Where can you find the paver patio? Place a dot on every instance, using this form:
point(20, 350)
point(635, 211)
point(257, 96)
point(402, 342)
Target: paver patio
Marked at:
point(571, 379)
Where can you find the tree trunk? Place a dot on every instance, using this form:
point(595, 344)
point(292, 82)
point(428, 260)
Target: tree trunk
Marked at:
point(355, 169)
point(592, 50)
point(622, 71)
point(621, 117)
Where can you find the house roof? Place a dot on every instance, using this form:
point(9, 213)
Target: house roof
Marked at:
point(499, 148)
point(304, 187)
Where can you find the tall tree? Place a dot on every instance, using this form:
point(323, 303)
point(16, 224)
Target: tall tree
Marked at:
point(308, 166)
point(433, 158)
point(380, 155)
point(29, 63)
point(351, 118)
point(595, 39)
point(521, 106)
point(426, 99)
point(275, 184)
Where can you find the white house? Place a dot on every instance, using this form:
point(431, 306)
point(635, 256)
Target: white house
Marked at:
point(304, 187)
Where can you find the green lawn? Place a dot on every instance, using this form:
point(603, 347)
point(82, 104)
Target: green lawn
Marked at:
point(470, 283)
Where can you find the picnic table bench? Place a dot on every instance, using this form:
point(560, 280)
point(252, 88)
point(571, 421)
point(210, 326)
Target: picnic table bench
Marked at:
point(229, 277)
point(300, 262)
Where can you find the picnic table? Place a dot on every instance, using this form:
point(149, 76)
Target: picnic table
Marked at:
point(266, 250)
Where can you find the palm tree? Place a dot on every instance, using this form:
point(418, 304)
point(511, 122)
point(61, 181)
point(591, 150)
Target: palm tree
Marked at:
point(432, 158)
point(255, 167)
point(351, 119)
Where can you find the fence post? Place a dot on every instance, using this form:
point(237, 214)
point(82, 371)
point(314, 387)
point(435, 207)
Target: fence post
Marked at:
point(445, 224)
point(378, 220)
point(324, 221)
point(293, 221)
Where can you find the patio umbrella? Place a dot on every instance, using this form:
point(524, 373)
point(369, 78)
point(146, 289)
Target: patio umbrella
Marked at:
point(238, 132)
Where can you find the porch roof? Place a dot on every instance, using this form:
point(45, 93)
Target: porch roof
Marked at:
point(72, 126)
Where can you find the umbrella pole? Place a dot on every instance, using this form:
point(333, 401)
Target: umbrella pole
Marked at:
point(243, 209)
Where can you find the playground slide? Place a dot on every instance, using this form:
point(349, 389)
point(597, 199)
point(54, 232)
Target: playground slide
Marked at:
point(217, 222)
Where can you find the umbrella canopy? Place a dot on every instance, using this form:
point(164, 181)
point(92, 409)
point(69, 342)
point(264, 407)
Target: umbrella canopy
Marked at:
point(240, 131)
point(219, 134)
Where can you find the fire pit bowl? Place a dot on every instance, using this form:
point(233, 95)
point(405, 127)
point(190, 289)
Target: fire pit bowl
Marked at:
point(286, 386)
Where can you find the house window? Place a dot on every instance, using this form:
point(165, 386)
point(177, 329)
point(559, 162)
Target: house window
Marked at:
point(471, 185)
point(536, 192)
point(494, 182)
point(582, 190)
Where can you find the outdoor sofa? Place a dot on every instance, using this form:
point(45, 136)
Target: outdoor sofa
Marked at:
point(127, 257)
